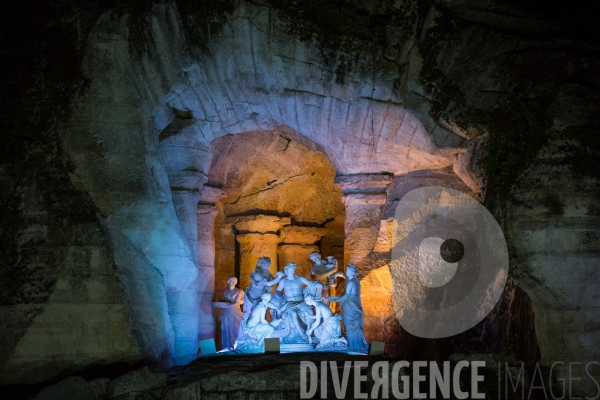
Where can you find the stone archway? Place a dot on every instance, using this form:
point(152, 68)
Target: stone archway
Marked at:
point(368, 138)
point(179, 103)
point(277, 199)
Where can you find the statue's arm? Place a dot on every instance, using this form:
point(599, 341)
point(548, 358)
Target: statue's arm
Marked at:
point(351, 288)
point(317, 322)
point(239, 300)
point(280, 286)
point(340, 299)
point(304, 280)
point(337, 299)
point(222, 304)
point(272, 282)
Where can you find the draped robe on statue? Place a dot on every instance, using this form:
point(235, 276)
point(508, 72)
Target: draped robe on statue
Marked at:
point(329, 331)
point(354, 323)
point(231, 318)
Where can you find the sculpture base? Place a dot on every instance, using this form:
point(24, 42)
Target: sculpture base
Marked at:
point(244, 347)
point(297, 347)
point(337, 349)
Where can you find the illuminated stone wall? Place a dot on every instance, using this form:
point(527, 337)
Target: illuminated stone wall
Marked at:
point(141, 141)
point(278, 197)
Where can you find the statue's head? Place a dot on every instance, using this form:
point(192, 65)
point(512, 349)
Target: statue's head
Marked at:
point(232, 281)
point(351, 271)
point(315, 256)
point(310, 299)
point(264, 262)
point(265, 297)
point(290, 269)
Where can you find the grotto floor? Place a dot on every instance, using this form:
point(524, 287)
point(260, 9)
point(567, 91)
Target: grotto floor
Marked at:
point(247, 377)
point(220, 376)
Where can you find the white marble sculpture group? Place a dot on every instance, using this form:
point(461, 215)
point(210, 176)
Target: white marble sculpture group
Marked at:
point(299, 312)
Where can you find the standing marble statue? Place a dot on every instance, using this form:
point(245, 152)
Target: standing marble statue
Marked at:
point(326, 326)
point(261, 281)
point(231, 314)
point(352, 313)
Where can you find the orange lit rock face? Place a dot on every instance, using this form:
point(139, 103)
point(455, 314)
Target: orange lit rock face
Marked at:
point(299, 254)
point(269, 171)
point(376, 296)
point(332, 244)
point(370, 205)
point(252, 246)
point(279, 202)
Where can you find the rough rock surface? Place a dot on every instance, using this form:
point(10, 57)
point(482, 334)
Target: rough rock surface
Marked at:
point(278, 377)
point(141, 380)
point(140, 167)
point(270, 172)
point(552, 224)
point(279, 194)
point(70, 388)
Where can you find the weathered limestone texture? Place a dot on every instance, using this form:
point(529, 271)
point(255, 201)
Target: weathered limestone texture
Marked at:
point(259, 124)
point(297, 243)
point(252, 247)
point(279, 195)
point(278, 377)
point(554, 231)
point(299, 254)
point(364, 198)
point(371, 201)
point(205, 282)
point(62, 308)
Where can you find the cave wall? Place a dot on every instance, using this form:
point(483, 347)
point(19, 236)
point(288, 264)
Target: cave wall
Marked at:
point(552, 224)
point(139, 140)
point(153, 136)
point(278, 195)
point(62, 307)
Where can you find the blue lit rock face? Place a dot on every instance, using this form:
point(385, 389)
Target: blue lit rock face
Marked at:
point(140, 140)
point(145, 188)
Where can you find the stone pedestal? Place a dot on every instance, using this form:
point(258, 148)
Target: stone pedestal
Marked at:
point(252, 247)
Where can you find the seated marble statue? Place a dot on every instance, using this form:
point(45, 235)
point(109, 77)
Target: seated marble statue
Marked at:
point(326, 326)
point(256, 325)
point(231, 314)
point(352, 313)
point(261, 281)
point(294, 308)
